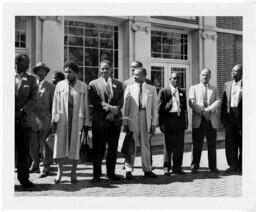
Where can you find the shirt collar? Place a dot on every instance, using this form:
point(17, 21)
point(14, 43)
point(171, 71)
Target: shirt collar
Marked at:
point(237, 83)
point(203, 85)
point(20, 75)
point(41, 83)
point(173, 88)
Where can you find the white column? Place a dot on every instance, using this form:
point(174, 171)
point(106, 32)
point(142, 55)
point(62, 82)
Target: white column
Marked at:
point(53, 43)
point(142, 43)
point(209, 37)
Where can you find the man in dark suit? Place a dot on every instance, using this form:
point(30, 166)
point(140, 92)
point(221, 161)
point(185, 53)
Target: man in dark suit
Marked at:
point(173, 121)
point(231, 118)
point(42, 111)
point(106, 97)
point(25, 101)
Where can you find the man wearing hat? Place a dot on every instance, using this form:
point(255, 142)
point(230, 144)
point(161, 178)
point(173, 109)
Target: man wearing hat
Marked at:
point(43, 112)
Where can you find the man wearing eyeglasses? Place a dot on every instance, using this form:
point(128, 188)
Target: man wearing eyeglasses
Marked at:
point(173, 121)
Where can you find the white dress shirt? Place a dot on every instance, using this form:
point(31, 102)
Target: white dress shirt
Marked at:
point(236, 90)
point(175, 100)
point(143, 95)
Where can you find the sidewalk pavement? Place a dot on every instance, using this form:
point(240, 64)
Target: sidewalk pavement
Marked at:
point(203, 184)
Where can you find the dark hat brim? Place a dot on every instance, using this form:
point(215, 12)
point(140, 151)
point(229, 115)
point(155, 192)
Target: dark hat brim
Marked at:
point(37, 68)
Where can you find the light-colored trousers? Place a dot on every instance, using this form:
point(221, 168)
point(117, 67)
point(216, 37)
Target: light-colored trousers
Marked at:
point(141, 136)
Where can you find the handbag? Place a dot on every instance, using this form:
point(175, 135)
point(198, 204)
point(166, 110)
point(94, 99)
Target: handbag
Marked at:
point(86, 152)
point(128, 144)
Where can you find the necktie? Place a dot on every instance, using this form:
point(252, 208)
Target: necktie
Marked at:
point(175, 94)
point(140, 97)
point(205, 96)
point(109, 94)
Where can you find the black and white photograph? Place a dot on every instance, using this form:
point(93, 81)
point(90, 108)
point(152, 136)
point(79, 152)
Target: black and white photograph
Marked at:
point(113, 104)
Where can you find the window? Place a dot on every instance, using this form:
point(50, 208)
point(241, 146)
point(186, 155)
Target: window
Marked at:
point(20, 31)
point(169, 45)
point(89, 43)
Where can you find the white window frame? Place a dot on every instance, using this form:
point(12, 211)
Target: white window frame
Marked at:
point(107, 21)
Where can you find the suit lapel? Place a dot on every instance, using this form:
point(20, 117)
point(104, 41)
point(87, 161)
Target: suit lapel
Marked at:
point(23, 82)
point(228, 92)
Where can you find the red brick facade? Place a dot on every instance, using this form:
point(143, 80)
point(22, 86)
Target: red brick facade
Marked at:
point(229, 49)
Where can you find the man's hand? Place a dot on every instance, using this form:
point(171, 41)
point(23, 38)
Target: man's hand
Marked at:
point(86, 128)
point(53, 128)
point(207, 114)
point(152, 129)
point(162, 128)
point(113, 109)
point(110, 117)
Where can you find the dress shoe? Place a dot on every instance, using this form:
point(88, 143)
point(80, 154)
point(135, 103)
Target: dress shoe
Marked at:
point(96, 180)
point(231, 170)
point(27, 184)
point(179, 171)
point(128, 175)
point(150, 174)
point(114, 177)
point(34, 170)
point(166, 171)
point(194, 171)
point(216, 171)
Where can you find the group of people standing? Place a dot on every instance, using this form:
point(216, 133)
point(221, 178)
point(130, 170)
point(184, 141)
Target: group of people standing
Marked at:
point(64, 109)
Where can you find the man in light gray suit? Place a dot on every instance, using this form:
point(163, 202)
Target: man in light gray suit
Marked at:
point(140, 108)
point(204, 101)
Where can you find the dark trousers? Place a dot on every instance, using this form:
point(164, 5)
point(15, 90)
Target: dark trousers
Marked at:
point(174, 142)
point(100, 137)
point(22, 138)
point(198, 135)
point(233, 143)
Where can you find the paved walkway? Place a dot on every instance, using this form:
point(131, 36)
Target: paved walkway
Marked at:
point(203, 184)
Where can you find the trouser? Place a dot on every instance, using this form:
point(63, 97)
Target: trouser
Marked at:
point(22, 137)
point(39, 148)
point(100, 137)
point(233, 143)
point(141, 136)
point(174, 142)
point(198, 135)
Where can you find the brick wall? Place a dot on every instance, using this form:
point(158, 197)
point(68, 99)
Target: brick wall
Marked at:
point(230, 22)
point(229, 53)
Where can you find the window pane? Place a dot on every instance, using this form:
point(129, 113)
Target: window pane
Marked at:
point(91, 57)
point(75, 41)
point(116, 59)
point(91, 74)
point(106, 27)
point(75, 23)
point(22, 44)
point(116, 40)
point(65, 40)
point(91, 42)
point(23, 36)
point(91, 33)
point(106, 55)
point(106, 43)
point(106, 34)
point(169, 45)
point(90, 25)
point(65, 54)
point(75, 31)
point(115, 73)
point(76, 55)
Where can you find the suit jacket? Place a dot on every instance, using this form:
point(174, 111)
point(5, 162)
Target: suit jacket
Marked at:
point(131, 106)
point(213, 100)
point(26, 98)
point(80, 118)
point(165, 105)
point(225, 106)
point(98, 97)
point(43, 108)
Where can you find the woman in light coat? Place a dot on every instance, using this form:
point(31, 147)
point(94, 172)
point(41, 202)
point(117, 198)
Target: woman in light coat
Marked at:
point(70, 114)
